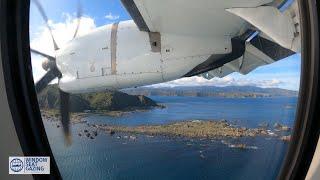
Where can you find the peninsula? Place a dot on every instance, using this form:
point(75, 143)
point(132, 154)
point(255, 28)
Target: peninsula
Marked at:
point(108, 102)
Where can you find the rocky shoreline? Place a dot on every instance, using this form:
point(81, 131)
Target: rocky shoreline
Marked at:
point(209, 129)
point(77, 117)
point(54, 116)
point(192, 129)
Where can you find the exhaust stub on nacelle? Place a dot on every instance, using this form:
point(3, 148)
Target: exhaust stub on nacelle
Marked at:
point(48, 64)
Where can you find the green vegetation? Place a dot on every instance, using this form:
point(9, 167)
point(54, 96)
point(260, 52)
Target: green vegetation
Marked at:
point(103, 101)
point(193, 129)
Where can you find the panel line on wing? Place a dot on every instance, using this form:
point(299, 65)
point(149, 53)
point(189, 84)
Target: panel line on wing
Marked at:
point(113, 48)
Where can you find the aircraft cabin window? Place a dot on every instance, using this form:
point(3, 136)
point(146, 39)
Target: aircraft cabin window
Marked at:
point(165, 89)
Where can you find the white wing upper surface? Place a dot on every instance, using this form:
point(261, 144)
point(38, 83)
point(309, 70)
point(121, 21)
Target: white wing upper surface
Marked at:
point(194, 18)
point(215, 23)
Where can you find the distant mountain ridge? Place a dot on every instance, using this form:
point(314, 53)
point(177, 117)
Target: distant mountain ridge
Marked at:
point(212, 91)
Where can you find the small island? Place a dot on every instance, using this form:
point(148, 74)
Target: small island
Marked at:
point(210, 129)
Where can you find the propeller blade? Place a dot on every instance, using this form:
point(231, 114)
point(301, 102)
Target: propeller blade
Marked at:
point(43, 54)
point(79, 14)
point(47, 78)
point(45, 18)
point(65, 116)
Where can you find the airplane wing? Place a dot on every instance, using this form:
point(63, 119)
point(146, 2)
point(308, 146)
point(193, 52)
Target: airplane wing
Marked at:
point(252, 32)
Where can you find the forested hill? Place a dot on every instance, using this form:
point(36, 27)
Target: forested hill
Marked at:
point(109, 100)
point(214, 91)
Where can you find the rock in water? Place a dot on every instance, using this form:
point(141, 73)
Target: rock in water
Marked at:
point(264, 125)
point(240, 146)
point(285, 128)
point(202, 156)
point(95, 133)
point(277, 125)
point(286, 138)
point(112, 132)
point(281, 127)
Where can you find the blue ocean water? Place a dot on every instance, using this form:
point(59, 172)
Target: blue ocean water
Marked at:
point(107, 157)
point(244, 111)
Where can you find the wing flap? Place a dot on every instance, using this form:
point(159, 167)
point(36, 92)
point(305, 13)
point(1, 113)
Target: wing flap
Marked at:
point(258, 52)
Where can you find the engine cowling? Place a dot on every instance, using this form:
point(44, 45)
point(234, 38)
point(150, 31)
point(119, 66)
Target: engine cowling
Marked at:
point(120, 56)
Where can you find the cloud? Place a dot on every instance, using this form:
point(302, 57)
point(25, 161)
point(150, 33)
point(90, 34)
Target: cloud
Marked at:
point(62, 32)
point(282, 74)
point(111, 17)
point(225, 81)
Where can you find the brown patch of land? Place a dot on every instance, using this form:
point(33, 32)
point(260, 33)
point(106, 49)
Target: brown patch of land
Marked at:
point(193, 129)
point(190, 128)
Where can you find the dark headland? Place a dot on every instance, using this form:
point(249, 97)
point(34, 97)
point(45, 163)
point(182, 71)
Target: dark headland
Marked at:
point(102, 102)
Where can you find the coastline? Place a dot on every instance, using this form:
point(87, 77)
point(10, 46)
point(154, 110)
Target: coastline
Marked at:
point(102, 149)
point(78, 117)
point(198, 129)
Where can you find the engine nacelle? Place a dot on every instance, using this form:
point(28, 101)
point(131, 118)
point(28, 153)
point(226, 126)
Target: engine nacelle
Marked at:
point(120, 56)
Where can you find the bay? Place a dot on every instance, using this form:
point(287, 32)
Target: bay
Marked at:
point(109, 157)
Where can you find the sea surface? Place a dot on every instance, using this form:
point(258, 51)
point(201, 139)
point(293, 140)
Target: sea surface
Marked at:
point(112, 157)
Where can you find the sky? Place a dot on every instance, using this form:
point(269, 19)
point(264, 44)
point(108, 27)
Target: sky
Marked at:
point(62, 19)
